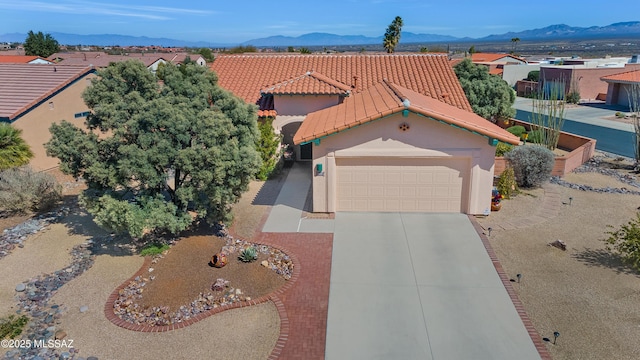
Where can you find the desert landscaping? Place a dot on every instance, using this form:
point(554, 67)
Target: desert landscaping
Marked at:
point(586, 293)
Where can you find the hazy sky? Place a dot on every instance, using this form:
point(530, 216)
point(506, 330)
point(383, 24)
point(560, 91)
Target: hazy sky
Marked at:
point(238, 21)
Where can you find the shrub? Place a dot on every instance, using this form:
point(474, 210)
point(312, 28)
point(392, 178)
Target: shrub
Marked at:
point(626, 242)
point(248, 254)
point(533, 75)
point(535, 136)
point(12, 326)
point(23, 190)
point(503, 148)
point(154, 249)
point(531, 164)
point(619, 114)
point(507, 183)
point(573, 97)
point(269, 149)
point(517, 130)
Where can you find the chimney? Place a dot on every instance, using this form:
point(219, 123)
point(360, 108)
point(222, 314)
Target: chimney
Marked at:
point(84, 56)
point(355, 82)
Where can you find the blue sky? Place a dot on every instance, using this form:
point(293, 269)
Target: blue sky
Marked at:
point(237, 21)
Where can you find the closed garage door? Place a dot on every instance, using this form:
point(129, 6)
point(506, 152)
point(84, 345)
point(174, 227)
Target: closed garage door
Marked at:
point(400, 184)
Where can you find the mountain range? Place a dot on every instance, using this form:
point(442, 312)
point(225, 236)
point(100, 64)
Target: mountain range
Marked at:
point(561, 31)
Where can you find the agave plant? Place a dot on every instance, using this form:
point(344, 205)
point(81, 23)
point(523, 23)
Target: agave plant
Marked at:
point(248, 254)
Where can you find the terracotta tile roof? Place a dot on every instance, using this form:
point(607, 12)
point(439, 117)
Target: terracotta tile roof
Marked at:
point(17, 59)
point(629, 77)
point(23, 86)
point(490, 57)
point(428, 74)
point(385, 99)
point(496, 71)
point(312, 83)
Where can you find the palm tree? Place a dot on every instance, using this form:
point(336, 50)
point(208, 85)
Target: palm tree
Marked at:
point(392, 35)
point(515, 43)
point(14, 151)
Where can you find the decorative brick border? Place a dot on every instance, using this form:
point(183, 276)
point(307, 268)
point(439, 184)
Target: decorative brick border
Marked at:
point(533, 333)
point(273, 297)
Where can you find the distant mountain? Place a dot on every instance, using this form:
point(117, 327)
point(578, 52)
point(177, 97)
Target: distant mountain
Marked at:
point(563, 31)
point(324, 39)
point(112, 40)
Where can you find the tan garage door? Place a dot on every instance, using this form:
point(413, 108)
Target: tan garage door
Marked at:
point(411, 185)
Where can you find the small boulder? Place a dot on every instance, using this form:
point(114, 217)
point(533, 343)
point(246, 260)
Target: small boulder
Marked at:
point(84, 309)
point(265, 263)
point(21, 287)
point(559, 244)
point(60, 334)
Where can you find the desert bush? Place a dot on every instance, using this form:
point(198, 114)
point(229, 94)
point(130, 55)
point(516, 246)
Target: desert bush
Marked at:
point(507, 185)
point(12, 326)
point(573, 97)
point(517, 130)
point(626, 242)
point(503, 148)
point(22, 189)
point(533, 75)
point(531, 164)
point(269, 149)
point(154, 249)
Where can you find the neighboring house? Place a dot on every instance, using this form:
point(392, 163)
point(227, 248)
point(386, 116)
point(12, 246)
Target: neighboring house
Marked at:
point(102, 60)
point(32, 97)
point(585, 79)
point(496, 62)
point(385, 132)
point(23, 59)
point(620, 88)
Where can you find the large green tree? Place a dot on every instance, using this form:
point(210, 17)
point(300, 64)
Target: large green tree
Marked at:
point(14, 151)
point(39, 44)
point(489, 95)
point(163, 149)
point(392, 35)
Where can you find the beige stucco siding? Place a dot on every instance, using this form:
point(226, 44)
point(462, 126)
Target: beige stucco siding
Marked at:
point(425, 140)
point(62, 106)
point(303, 104)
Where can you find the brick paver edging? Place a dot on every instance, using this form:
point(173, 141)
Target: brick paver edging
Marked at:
point(273, 297)
point(533, 333)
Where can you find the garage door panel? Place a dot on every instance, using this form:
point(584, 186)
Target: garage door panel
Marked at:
point(425, 185)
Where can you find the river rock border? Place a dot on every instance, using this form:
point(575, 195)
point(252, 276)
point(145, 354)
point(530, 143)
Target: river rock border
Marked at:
point(199, 311)
point(33, 298)
point(594, 165)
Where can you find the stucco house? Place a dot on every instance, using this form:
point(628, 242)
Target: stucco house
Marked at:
point(32, 97)
point(384, 132)
point(620, 88)
point(100, 59)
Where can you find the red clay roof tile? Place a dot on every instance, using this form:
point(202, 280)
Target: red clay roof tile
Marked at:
point(491, 57)
point(311, 82)
point(385, 99)
point(629, 77)
point(17, 59)
point(428, 74)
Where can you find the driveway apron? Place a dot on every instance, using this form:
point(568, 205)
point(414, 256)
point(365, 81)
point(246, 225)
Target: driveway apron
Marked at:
point(418, 286)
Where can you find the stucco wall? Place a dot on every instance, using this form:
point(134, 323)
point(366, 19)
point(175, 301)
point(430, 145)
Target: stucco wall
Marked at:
point(512, 73)
point(425, 138)
point(303, 104)
point(588, 79)
point(35, 124)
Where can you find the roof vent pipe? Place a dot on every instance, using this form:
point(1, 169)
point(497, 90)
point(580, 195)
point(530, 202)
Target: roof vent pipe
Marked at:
point(355, 82)
point(406, 103)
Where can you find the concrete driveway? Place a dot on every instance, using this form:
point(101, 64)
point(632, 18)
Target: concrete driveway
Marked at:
point(418, 286)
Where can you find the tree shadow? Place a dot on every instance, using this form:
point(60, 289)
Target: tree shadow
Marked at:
point(270, 190)
point(79, 222)
point(604, 106)
point(604, 258)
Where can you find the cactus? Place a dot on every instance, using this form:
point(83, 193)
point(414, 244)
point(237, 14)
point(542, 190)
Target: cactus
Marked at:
point(248, 254)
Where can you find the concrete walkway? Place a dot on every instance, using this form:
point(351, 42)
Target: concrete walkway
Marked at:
point(418, 286)
point(286, 213)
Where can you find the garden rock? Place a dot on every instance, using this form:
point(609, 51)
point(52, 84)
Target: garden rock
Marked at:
point(559, 244)
point(21, 287)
